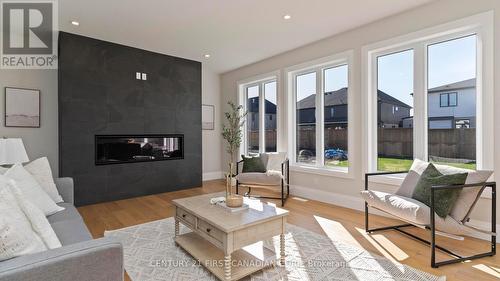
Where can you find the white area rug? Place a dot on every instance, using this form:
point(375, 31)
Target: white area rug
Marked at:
point(151, 255)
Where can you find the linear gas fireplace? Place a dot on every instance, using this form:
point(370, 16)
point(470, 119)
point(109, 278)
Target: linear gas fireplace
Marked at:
point(115, 149)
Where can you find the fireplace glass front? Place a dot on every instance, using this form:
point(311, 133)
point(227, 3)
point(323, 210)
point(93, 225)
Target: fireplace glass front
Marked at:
point(112, 149)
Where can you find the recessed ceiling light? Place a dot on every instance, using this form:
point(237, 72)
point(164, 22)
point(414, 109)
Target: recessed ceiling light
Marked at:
point(287, 17)
point(206, 56)
point(74, 22)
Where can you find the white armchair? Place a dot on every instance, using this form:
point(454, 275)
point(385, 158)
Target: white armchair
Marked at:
point(276, 176)
point(416, 213)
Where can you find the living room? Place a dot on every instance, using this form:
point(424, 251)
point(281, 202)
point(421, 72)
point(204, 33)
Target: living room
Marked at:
point(249, 140)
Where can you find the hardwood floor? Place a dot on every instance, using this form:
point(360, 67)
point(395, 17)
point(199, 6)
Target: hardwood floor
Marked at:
point(332, 221)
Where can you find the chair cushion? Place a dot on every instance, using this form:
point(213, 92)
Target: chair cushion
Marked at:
point(410, 181)
point(253, 164)
point(259, 178)
point(445, 199)
point(71, 231)
point(69, 213)
point(466, 199)
point(403, 207)
point(468, 196)
point(413, 211)
point(69, 225)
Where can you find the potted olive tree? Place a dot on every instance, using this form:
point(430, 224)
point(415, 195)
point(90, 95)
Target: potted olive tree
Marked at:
point(232, 132)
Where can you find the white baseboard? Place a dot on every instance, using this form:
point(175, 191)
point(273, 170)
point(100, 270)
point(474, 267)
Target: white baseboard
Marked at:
point(338, 199)
point(357, 203)
point(212, 176)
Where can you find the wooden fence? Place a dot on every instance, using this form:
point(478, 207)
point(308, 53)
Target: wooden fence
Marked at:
point(270, 136)
point(392, 142)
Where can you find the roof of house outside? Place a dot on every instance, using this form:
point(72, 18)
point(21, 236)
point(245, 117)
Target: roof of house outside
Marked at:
point(469, 83)
point(254, 106)
point(339, 97)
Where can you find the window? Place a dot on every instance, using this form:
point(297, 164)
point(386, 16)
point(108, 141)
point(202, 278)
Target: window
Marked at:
point(454, 142)
point(306, 118)
point(452, 99)
point(270, 133)
point(448, 100)
point(261, 122)
point(252, 96)
point(321, 109)
point(395, 111)
point(444, 75)
point(335, 126)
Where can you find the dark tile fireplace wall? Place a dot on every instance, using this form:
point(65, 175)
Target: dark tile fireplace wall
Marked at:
point(100, 95)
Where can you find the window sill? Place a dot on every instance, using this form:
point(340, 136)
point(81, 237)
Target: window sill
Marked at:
point(330, 172)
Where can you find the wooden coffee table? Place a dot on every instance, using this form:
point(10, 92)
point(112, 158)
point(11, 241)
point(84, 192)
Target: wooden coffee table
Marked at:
point(218, 236)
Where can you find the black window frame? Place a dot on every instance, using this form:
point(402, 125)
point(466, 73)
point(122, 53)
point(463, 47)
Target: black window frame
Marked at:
point(448, 99)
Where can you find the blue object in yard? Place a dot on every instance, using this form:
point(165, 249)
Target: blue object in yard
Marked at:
point(335, 154)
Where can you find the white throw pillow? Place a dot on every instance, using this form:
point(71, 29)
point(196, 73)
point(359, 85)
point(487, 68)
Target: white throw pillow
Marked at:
point(39, 222)
point(32, 190)
point(3, 170)
point(273, 160)
point(468, 196)
point(417, 168)
point(40, 169)
point(17, 235)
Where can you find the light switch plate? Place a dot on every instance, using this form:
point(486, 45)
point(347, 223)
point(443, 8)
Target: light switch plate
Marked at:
point(144, 76)
point(138, 75)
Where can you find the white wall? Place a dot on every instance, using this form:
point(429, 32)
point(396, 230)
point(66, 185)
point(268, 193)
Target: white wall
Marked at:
point(345, 190)
point(41, 141)
point(212, 140)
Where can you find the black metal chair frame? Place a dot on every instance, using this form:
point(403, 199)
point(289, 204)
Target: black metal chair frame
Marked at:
point(285, 170)
point(432, 227)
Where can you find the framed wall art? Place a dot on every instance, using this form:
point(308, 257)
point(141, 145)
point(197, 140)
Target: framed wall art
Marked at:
point(22, 107)
point(207, 117)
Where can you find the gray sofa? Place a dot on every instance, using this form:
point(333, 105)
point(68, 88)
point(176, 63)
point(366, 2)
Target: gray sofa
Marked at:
point(81, 258)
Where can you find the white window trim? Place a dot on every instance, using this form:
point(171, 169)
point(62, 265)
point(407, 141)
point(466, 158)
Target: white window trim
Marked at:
point(482, 26)
point(260, 80)
point(318, 65)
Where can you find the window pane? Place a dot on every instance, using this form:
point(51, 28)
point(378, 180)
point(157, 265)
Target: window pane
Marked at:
point(452, 129)
point(270, 117)
point(452, 99)
point(444, 100)
point(335, 103)
point(395, 111)
point(306, 118)
point(253, 119)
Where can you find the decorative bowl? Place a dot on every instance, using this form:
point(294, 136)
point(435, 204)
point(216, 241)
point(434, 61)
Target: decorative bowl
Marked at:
point(234, 201)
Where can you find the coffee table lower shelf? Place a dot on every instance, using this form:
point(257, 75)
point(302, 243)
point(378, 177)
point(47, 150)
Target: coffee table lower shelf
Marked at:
point(212, 257)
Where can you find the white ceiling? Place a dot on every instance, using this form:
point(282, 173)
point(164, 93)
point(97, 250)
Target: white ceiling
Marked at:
point(234, 32)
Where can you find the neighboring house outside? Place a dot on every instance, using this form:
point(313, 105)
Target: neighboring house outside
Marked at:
point(451, 106)
point(390, 110)
point(253, 115)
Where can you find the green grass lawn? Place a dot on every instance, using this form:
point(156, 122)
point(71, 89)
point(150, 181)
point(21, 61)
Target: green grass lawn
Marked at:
point(394, 164)
point(334, 163)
